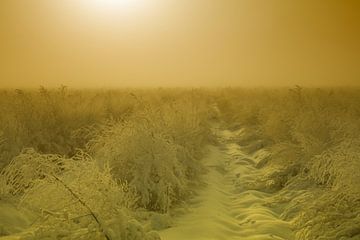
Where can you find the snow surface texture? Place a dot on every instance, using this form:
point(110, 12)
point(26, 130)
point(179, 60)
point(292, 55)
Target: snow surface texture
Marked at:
point(312, 137)
point(226, 206)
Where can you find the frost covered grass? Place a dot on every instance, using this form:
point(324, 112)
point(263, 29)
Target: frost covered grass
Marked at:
point(117, 164)
point(48, 119)
point(312, 137)
point(99, 165)
point(156, 151)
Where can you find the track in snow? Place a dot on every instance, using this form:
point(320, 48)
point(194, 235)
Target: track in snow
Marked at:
point(223, 209)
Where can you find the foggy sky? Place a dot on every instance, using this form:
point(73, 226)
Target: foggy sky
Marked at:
point(179, 43)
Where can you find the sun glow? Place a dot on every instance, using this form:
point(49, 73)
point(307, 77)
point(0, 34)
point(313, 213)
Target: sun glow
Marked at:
point(115, 4)
point(108, 9)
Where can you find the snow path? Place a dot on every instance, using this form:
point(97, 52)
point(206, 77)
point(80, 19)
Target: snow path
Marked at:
point(224, 209)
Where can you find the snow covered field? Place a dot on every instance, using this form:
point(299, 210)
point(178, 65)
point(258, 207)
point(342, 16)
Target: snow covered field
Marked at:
point(180, 164)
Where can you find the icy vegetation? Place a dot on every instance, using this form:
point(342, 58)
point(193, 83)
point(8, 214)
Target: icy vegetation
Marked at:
point(98, 165)
point(180, 164)
point(313, 161)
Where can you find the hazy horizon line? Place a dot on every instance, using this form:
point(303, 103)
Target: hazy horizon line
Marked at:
point(304, 86)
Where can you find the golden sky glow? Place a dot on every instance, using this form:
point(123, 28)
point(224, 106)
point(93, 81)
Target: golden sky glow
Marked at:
point(95, 43)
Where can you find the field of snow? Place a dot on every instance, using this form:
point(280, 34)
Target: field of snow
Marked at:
point(177, 164)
